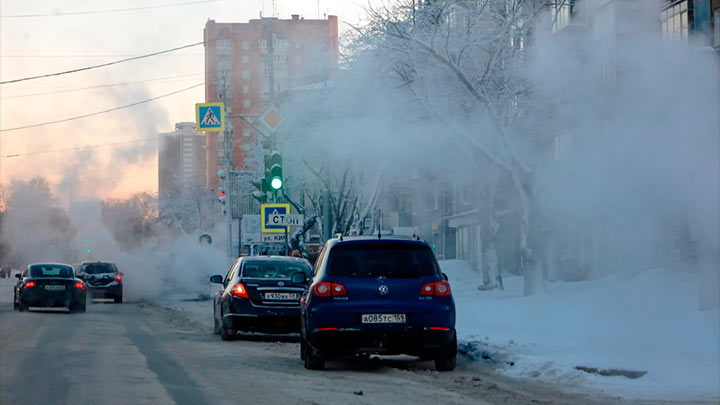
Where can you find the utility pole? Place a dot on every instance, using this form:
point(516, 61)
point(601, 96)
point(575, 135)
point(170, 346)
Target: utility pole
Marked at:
point(223, 90)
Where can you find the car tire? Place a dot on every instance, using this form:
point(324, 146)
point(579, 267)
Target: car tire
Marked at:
point(312, 360)
point(15, 305)
point(216, 326)
point(22, 307)
point(447, 359)
point(226, 333)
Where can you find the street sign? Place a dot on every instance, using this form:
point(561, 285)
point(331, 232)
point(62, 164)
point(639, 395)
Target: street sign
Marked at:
point(271, 118)
point(210, 117)
point(266, 210)
point(273, 238)
point(287, 219)
point(250, 227)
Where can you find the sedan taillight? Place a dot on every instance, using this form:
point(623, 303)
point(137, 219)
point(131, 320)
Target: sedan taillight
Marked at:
point(79, 285)
point(118, 278)
point(30, 284)
point(239, 291)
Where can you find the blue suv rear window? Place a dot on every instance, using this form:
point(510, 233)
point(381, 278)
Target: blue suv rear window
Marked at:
point(371, 260)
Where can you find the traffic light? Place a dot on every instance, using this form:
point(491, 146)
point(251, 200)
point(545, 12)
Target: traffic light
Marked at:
point(276, 176)
point(262, 188)
point(221, 198)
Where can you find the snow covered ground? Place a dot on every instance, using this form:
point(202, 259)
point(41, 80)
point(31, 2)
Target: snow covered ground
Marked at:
point(645, 322)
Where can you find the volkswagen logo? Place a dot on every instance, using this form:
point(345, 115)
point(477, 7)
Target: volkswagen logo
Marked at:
point(280, 283)
point(383, 290)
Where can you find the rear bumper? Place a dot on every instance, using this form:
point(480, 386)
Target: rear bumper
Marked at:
point(106, 291)
point(40, 298)
point(415, 341)
point(248, 317)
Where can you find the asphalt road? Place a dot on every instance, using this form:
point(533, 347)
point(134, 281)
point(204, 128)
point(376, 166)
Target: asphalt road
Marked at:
point(138, 353)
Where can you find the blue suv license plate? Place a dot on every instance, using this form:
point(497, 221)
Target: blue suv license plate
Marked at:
point(383, 318)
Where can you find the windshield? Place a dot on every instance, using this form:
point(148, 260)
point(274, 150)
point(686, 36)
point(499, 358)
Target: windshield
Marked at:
point(274, 269)
point(51, 271)
point(364, 260)
point(99, 268)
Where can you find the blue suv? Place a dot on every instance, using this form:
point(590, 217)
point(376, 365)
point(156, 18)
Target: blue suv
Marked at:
point(377, 295)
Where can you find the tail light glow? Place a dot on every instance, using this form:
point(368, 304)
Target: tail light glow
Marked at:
point(338, 290)
point(239, 291)
point(437, 288)
point(118, 278)
point(322, 289)
point(79, 285)
point(438, 328)
point(30, 284)
point(325, 329)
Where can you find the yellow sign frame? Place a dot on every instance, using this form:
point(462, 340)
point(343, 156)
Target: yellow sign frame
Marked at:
point(221, 117)
point(263, 218)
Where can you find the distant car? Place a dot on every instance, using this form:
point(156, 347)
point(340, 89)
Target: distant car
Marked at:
point(378, 295)
point(103, 280)
point(260, 294)
point(49, 285)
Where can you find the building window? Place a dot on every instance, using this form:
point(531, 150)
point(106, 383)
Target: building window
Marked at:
point(675, 22)
point(263, 44)
point(221, 160)
point(246, 133)
point(223, 46)
point(245, 74)
point(245, 59)
point(245, 89)
point(223, 69)
point(561, 14)
point(246, 103)
point(245, 45)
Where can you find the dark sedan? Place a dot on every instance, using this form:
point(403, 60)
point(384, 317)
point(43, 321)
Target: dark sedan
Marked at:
point(103, 280)
point(260, 294)
point(49, 285)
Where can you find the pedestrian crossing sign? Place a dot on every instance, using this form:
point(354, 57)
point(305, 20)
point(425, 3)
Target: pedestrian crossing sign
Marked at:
point(210, 117)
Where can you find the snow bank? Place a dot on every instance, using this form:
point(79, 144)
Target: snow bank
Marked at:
point(645, 322)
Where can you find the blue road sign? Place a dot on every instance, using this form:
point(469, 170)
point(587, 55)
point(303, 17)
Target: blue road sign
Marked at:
point(210, 117)
point(269, 209)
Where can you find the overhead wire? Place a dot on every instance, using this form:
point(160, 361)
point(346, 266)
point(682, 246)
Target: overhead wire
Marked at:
point(61, 14)
point(102, 64)
point(12, 155)
point(100, 86)
point(101, 112)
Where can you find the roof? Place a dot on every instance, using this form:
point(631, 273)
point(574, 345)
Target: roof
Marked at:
point(49, 264)
point(275, 258)
point(382, 238)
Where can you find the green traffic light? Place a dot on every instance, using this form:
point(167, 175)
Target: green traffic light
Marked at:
point(276, 183)
point(87, 250)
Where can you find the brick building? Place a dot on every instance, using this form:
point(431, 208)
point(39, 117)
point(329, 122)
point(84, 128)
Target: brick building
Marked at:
point(181, 162)
point(260, 60)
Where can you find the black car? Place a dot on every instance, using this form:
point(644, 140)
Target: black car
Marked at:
point(260, 294)
point(103, 280)
point(49, 285)
point(378, 295)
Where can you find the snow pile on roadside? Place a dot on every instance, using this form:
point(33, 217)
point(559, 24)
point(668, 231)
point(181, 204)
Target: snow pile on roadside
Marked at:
point(644, 322)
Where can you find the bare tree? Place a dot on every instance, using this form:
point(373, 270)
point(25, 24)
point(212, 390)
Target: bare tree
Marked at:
point(131, 220)
point(462, 61)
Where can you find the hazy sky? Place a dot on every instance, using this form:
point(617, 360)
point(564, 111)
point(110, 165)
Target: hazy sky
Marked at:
point(39, 45)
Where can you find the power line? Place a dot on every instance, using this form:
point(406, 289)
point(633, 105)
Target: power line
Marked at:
point(61, 14)
point(101, 112)
point(102, 65)
point(12, 155)
point(99, 86)
point(118, 55)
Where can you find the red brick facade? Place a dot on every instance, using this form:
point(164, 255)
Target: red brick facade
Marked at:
point(299, 52)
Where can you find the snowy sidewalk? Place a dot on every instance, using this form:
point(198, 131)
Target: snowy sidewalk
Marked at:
point(647, 322)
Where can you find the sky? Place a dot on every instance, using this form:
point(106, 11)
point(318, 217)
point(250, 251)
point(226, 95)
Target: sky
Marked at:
point(127, 161)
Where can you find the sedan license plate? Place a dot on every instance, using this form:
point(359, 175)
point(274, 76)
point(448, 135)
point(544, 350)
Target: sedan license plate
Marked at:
point(383, 318)
point(282, 296)
point(54, 287)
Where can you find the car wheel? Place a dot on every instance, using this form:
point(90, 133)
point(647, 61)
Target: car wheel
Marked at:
point(447, 359)
point(312, 360)
point(216, 327)
point(22, 307)
point(226, 333)
point(15, 305)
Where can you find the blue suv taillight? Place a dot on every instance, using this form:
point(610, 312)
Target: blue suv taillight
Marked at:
point(325, 289)
point(436, 288)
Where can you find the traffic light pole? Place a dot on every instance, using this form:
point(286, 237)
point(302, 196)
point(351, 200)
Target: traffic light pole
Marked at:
point(227, 167)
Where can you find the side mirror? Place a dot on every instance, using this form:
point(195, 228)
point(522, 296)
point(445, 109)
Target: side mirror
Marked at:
point(18, 276)
point(445, 277)
point(217, 279)
point(298, 278)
